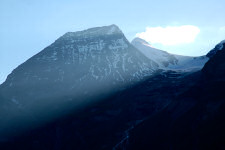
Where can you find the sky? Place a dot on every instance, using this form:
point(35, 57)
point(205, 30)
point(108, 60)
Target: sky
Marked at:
point(183, 27)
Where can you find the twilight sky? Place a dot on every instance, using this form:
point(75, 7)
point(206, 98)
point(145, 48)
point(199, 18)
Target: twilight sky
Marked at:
point(184, 27)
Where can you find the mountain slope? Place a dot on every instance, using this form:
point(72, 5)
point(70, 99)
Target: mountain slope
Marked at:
point(169, 61)
point(106, 124)
point(94, 54)
point(76, 69)
point(162, 58)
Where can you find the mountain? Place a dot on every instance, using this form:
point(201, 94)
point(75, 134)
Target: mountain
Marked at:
point(169, 61)
point(154, 107)
point(75, 70)
point(194, 120)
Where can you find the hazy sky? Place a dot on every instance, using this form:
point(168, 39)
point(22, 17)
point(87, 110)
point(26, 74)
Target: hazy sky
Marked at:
point(26, 26)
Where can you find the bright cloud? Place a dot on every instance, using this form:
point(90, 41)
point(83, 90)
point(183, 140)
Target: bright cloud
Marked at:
point(170, 35)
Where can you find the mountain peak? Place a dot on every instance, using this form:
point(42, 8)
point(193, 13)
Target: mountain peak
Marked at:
point(95, 32)
point(139, 40)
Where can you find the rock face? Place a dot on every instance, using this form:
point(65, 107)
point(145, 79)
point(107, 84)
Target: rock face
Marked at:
point(77, 68)
point(169, 61)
